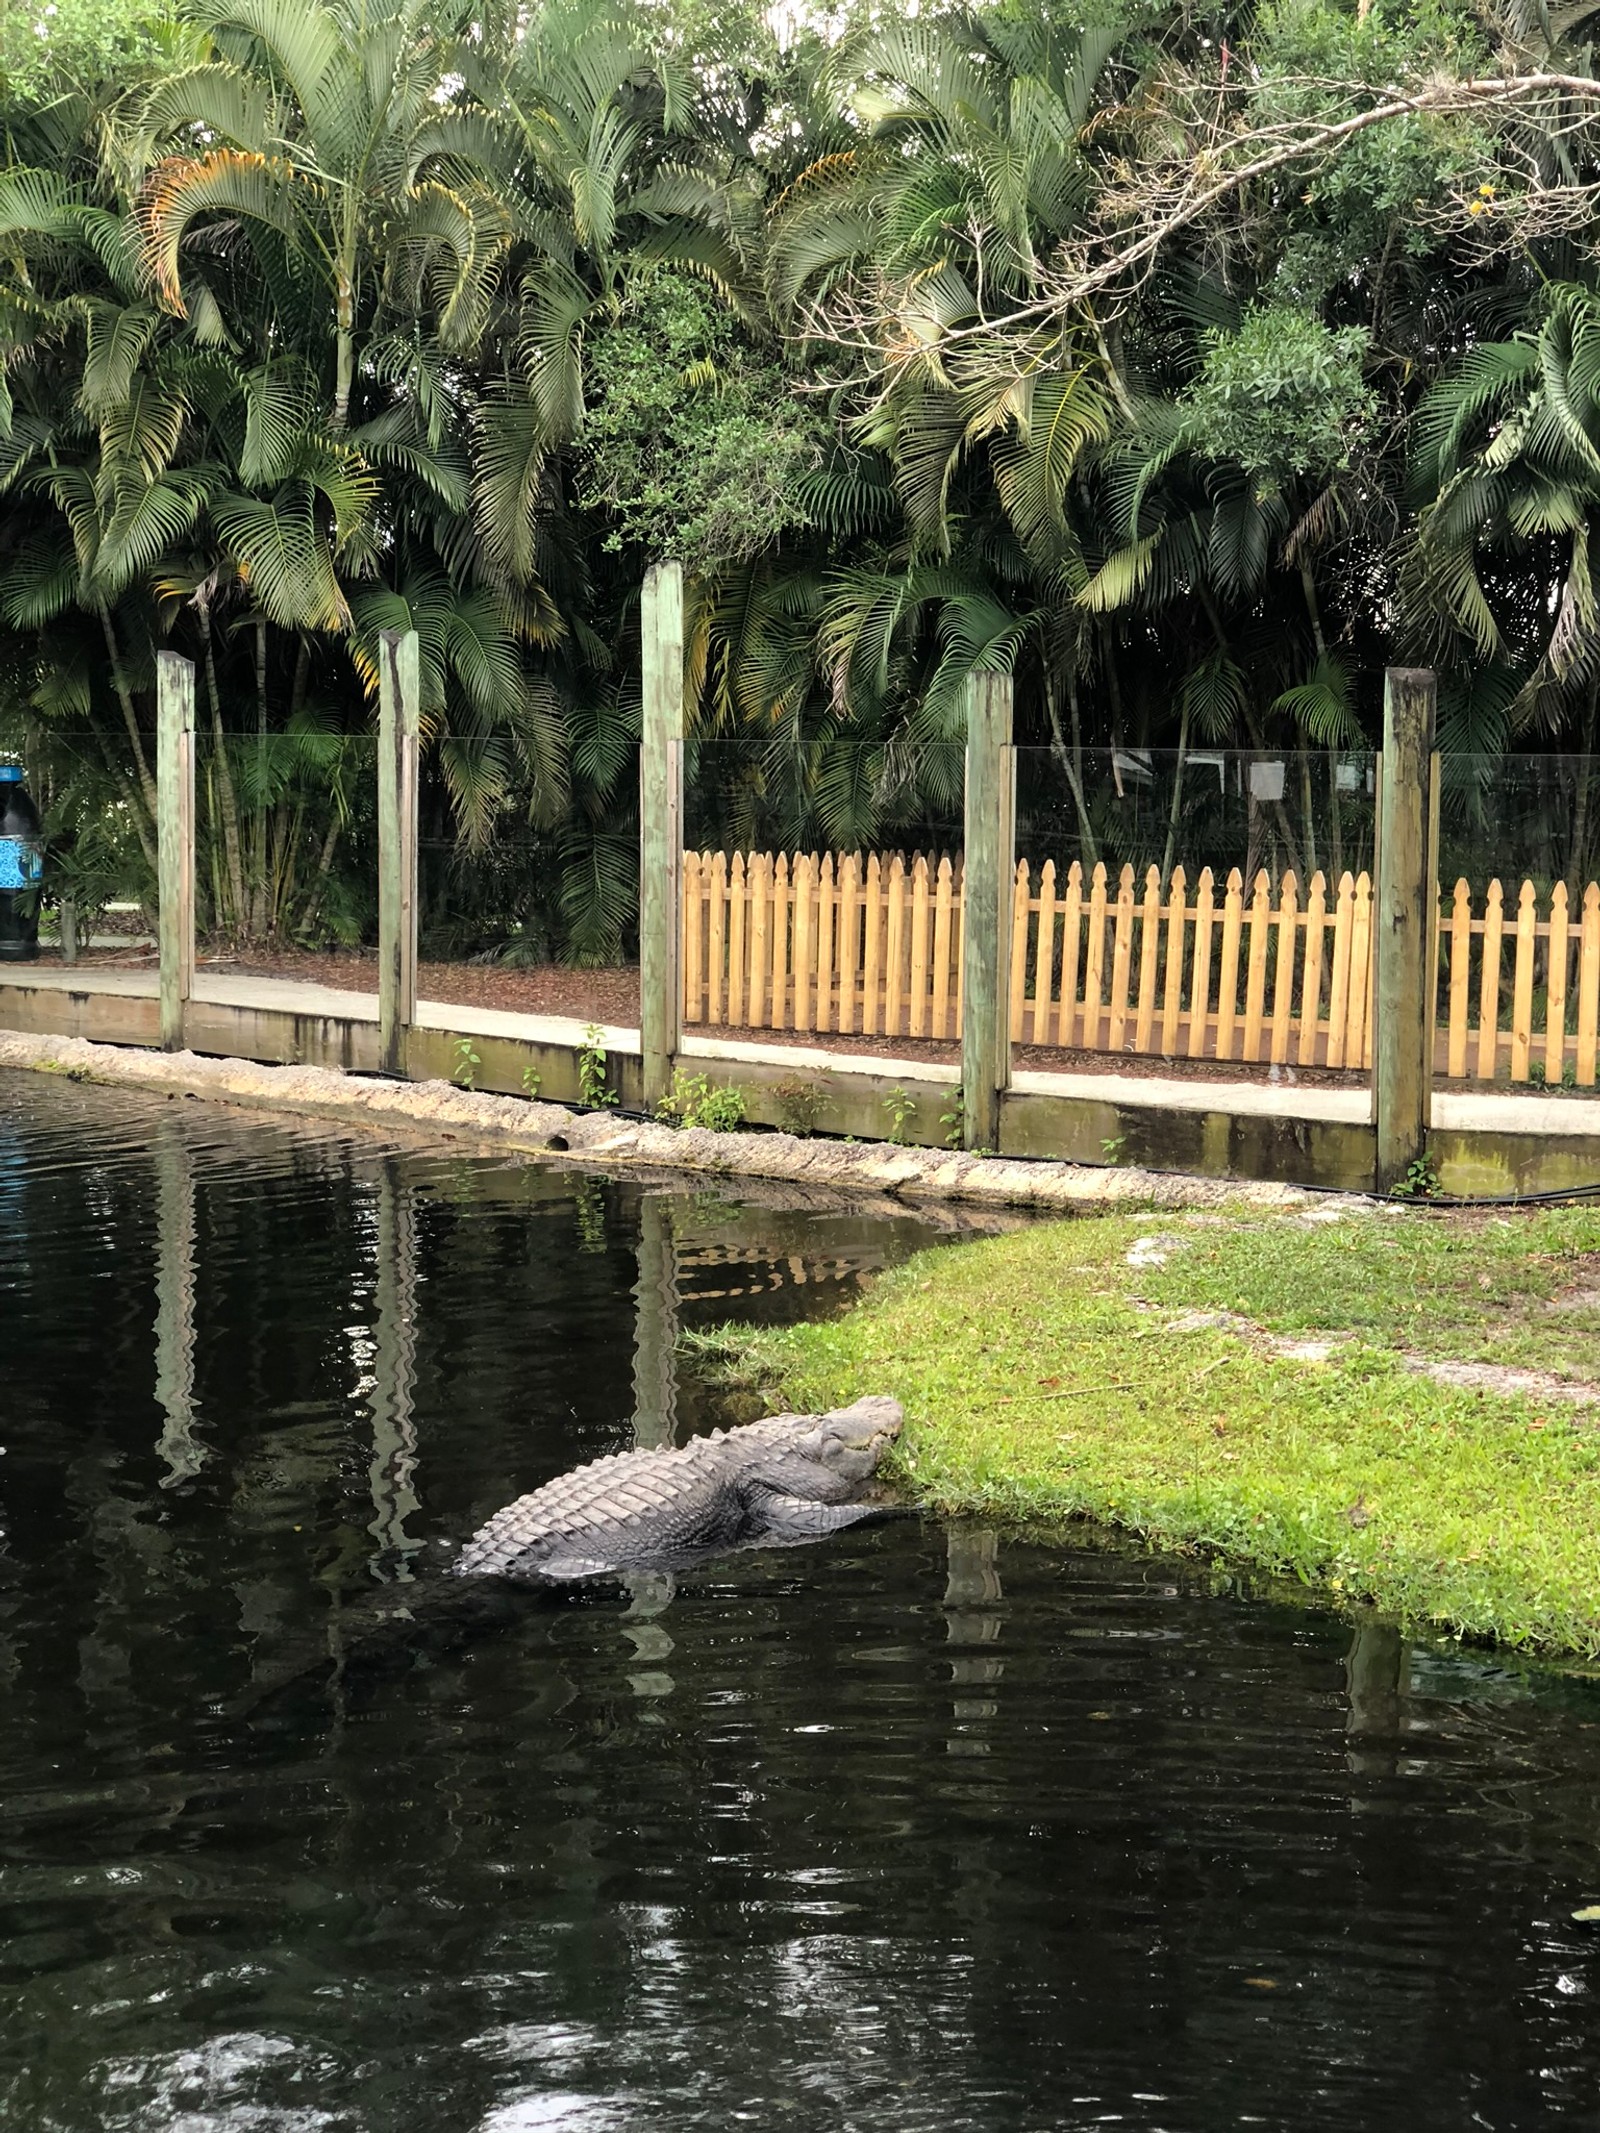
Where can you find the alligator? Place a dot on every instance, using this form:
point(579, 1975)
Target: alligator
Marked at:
point(774, 1483)
point(770, 1484)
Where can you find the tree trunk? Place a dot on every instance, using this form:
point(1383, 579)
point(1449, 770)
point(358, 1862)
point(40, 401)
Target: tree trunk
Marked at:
point(313, 905)
point(222, 772)
point(130, 718)
point(1176, 813)
point(1309, 588)
point(1580, 812)
point(1071, 770)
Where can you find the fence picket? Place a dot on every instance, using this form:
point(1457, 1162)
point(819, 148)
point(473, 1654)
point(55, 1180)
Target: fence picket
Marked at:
point(1358, 1024)
point(940, 974)
point(1121, 961)
point(1311, 969)
point(1200, 983)
point(1177, 938)
point(1288, 924)
point(759, 893)
point(1255, 994)
point(782, 1013)
point(1489, 984)
point(824, 1018)
point(1460, 999)
point(1589, 988)
point(1044, 952)
point(736, 945)
point(717, 940)
point(1522, 983)
point(1339, 980)
point(1555, 1013)
point(1020, 908)
point(849, 938)
point(920, 906)
point(894, 952)
point(1149, 955)
point(1228, 973)
point(872, 950)
point(1071, 922)
point(694, 1008)
point(1094, 959)
point(802, 965)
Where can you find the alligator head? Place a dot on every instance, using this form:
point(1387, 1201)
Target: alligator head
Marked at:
point(844, 1447)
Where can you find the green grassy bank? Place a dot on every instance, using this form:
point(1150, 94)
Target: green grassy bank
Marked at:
point(1046, 1376)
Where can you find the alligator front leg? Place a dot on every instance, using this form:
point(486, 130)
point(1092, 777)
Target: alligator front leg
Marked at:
point(777, 1518)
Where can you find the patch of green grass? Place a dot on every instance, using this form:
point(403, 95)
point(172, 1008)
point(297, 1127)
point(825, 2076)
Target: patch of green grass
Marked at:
point(1487, 1289)
point(1043, 1377)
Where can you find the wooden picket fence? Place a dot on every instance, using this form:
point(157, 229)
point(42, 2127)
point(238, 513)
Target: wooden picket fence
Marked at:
point(1276, 975)
point(1215, 976)
point(807, 943)
point(1553, 992)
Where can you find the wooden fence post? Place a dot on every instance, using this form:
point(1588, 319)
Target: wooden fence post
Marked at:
point(1402, 1053)
point(399, 715)
point(990, 870)
point(174, 840)
point(661, 829)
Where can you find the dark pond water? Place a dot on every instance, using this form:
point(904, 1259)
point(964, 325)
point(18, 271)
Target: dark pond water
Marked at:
point(923, 1829)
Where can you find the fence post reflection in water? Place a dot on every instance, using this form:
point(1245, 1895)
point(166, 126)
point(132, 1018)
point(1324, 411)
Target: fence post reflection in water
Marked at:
point(399, 726)
point(174, 842)
point(973, 1616)
point(1377, 1672)
point(655, 1338)
point(175, 1306)
point(394, 1373)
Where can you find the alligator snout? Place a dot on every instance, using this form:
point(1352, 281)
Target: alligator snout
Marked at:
point(875, 1420)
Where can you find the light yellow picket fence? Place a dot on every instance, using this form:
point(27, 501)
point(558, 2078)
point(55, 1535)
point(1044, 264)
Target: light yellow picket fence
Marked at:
point(1519, 991)
point(874, 946)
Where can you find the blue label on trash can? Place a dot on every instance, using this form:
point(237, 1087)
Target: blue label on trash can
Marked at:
point(19, 863)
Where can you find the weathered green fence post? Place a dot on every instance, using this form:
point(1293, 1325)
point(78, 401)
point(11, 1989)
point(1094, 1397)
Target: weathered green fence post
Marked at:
point(661, 829)
point(1403, 1009)
point(399, 710)
point(990, 836)
point(174, 841)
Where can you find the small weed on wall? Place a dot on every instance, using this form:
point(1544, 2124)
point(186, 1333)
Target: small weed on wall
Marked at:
point(901, 1106)
point(694, 1102)
point(592, 1088)
point(799, 1106)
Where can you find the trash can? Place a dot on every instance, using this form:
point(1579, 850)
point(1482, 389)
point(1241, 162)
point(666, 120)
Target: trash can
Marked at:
point(21, 861)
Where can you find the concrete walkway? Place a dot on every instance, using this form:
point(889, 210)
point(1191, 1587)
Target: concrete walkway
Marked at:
point(1458, 1109)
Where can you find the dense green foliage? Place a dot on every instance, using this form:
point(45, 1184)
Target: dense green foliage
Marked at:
point(1009, 337)
point(1179, 1393)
